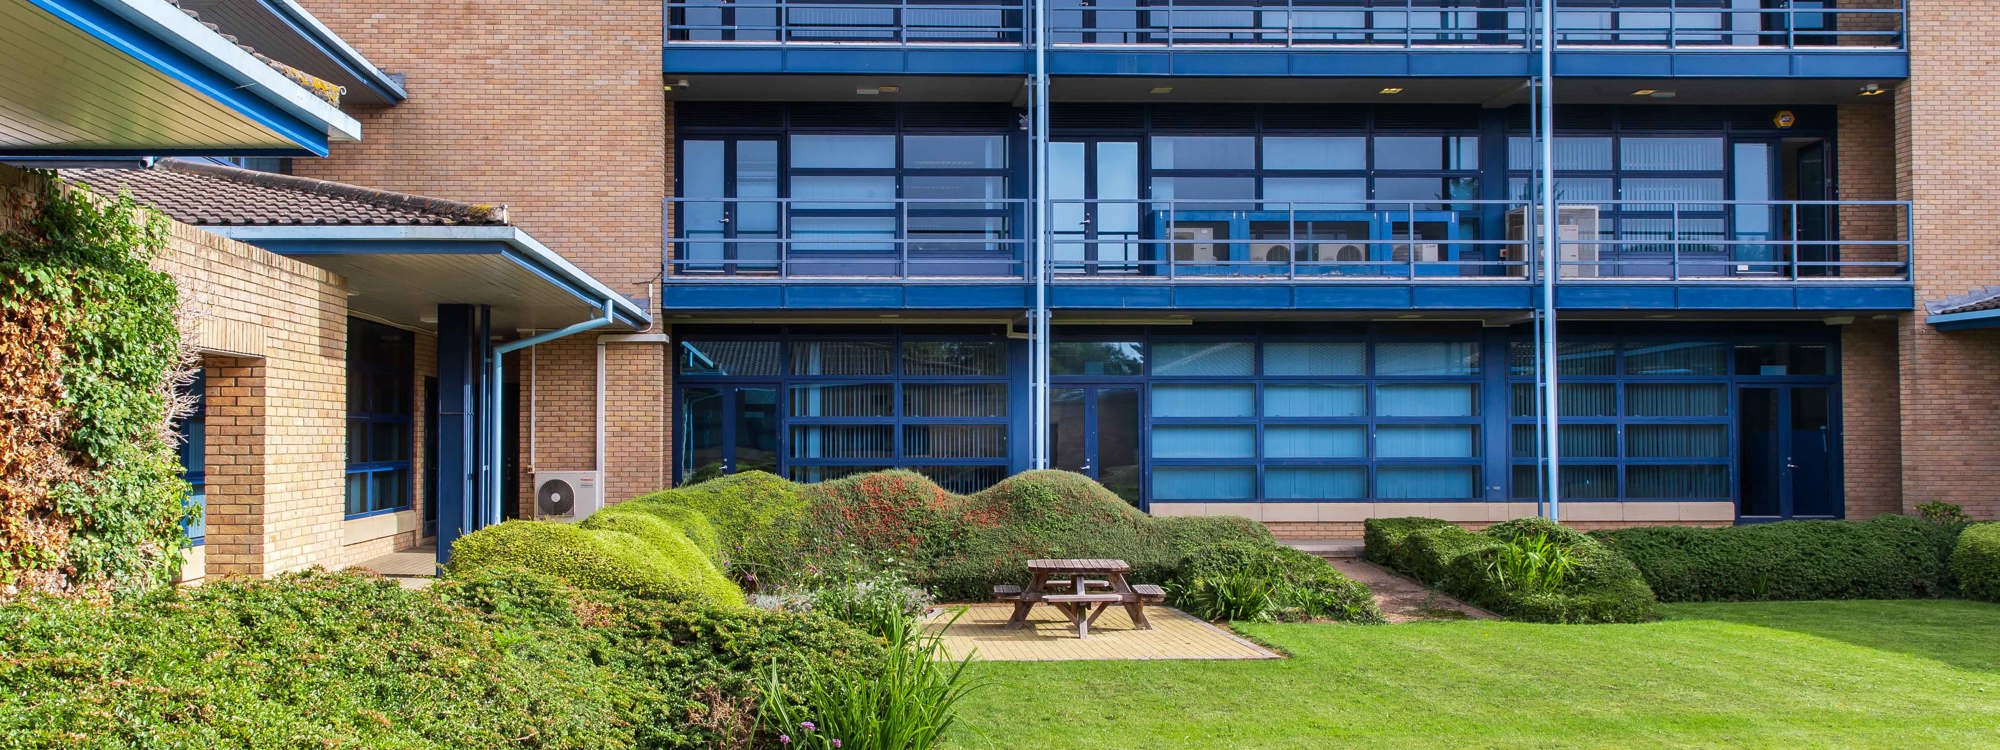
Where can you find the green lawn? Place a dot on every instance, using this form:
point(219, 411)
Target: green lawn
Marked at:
point(1906, 674)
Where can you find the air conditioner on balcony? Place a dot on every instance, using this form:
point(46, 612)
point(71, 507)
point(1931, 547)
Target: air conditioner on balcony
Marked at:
point(1195, 244)
point(1270, 252)
point(1576, 227)
point(566, 495)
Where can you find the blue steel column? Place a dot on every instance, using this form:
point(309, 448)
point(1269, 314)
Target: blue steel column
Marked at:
point(460, 354)
point(1551, 266)
point(1038, 321)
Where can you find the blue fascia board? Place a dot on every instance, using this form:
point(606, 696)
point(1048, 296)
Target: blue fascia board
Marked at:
point(694, 57)
point(127, 153)
point(1720, 63)
point(126, 37)
point(1965, 321)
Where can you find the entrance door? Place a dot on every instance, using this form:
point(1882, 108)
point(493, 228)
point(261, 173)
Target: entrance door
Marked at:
point(727, 429)
point(1094, 187)
point(1785, 453)
point(1815, 223)
point(1094, 431)
point(726, 224)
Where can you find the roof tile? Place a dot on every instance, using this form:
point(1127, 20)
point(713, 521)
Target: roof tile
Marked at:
point(206, 194)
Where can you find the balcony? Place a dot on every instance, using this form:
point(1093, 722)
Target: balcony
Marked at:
point(1168, 254)
point(1468, 38)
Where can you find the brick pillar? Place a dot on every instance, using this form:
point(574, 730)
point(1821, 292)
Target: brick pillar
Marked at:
point(1870, 419)
point(236, 450)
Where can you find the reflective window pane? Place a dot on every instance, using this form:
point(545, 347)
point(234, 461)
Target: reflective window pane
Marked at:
point(843, 151)
point(1204, 152)
point(1097, 358)
point(1214, 358)
point(954, 152)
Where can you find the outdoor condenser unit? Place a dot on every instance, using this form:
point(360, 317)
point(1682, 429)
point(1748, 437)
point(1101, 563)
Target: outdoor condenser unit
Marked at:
point(567, 495)
point(1575, 224)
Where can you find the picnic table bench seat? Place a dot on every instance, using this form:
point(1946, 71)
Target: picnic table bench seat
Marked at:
point(1150, 593)
point(1082, 598)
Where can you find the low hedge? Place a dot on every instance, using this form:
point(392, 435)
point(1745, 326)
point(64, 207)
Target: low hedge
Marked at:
point(1301, 586)
point(1975, 563)
point(345, 660)
point(628, 552)
point(1603, 586)
point(1889, 557)
point(757, 517)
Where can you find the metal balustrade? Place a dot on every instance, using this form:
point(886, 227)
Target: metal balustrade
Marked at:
point(1673, 24)
point(1477, 241)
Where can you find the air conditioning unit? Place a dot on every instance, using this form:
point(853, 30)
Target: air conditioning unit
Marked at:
point(1576, 228)
point(1194, 244)
point(1270, 252)
point(566, 495)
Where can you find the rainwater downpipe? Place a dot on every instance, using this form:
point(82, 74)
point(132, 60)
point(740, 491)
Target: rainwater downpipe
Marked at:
point(489, 510)
point(1551, 262)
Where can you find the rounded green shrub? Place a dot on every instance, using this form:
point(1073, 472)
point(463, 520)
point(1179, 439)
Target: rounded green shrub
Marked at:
point(662, 564)
point(672, 550)
point(688, 521)
point(1292, 586)
point(1975, 563)
point(757, 517)
point(1383, 539)
point(1889, 557)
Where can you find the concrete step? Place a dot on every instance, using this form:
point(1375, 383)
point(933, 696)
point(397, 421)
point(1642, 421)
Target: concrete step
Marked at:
point(1331, 549)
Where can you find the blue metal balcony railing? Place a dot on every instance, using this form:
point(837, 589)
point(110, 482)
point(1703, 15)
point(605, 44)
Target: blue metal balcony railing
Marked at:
point(903, 238)
point(1478, 240)
point(898, 22)
point(1319, 242)
point(1673, 24)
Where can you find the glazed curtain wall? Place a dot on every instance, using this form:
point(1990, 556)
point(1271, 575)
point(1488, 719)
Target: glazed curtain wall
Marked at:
point(1326, 412)
point(816, 404)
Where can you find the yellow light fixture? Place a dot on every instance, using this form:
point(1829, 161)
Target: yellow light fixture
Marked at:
point(1391, 90)
point(1162, 90)
point(1645, 92)
point(1873, 89)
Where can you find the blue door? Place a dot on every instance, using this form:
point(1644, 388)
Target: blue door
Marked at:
point(1094, 431)
point(1785, 453)
point(726, 429)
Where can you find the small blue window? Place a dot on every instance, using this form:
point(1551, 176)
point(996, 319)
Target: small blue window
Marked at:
point(193, 449)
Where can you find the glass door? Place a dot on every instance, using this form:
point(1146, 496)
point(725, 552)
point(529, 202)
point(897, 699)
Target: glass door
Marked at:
point(1094, 189)
point(729, 218)
point(727, 429)
point(1785, 453)
point(1094, 431)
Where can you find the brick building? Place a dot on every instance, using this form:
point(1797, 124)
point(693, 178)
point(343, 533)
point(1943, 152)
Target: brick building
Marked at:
point(1282, 261)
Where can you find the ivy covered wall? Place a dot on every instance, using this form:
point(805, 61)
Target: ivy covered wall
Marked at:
point(91, 496)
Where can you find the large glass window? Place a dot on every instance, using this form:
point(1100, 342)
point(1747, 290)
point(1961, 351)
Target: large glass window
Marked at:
point(846, 405)
point(381, 376)
point(1314, 419)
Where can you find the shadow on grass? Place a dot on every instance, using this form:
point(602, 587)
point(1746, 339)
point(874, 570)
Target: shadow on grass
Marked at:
point(1957, 633)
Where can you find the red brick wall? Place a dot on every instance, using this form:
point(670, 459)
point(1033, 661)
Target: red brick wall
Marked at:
point(1871, 419)
point(555, 109)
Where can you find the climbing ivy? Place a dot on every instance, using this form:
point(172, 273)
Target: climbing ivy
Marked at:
point(84, 265)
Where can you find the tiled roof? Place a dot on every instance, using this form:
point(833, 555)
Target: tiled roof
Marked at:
point(206, 194)
point(1983, 298)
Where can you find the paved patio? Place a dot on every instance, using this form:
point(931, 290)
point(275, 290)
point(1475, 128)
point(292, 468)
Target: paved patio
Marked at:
point(1049, 637)
point(412, 568)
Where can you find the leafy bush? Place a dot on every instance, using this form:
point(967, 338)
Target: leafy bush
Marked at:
point(756, 517)
point(1534, 565)
point(1944, 514)
point(869, 599)
point(340, 660)
point(628, 552)
point(1599, 586)
point(1383, 539)
point(902, 701)
point(1249, 581)
point(690, 523)
point(90, 488)
point(1975, 564)
point(1889, 557)
point(896, 513)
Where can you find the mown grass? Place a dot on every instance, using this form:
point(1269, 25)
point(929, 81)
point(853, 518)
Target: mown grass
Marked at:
point(1856, 674)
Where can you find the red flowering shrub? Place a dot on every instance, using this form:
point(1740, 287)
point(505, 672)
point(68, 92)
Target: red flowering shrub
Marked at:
point(890, 513)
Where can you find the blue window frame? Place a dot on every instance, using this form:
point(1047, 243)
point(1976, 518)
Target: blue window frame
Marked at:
point(381, 375)
point(192, 449)
point(1653, 416)
point(815, 405)
point(1279, 415)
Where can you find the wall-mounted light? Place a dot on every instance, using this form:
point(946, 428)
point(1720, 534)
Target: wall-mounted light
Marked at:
point(1390, 90)
point(671, 85)
point(1645, 92)
point(873, 90)
point(1162, 90)
point(1872, 89)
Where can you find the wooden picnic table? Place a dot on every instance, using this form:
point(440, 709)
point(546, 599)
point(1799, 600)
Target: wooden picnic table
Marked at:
point(1081, 589)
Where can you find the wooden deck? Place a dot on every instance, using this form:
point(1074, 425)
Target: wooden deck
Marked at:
point(1049, 637)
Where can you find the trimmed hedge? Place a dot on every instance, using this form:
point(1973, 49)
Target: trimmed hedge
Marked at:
point(1889, 557)
point(346, 660)
point(1604, 587)
point(628, 552)
point(1304, 587)
point(756, 516)
point(1975, 563)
